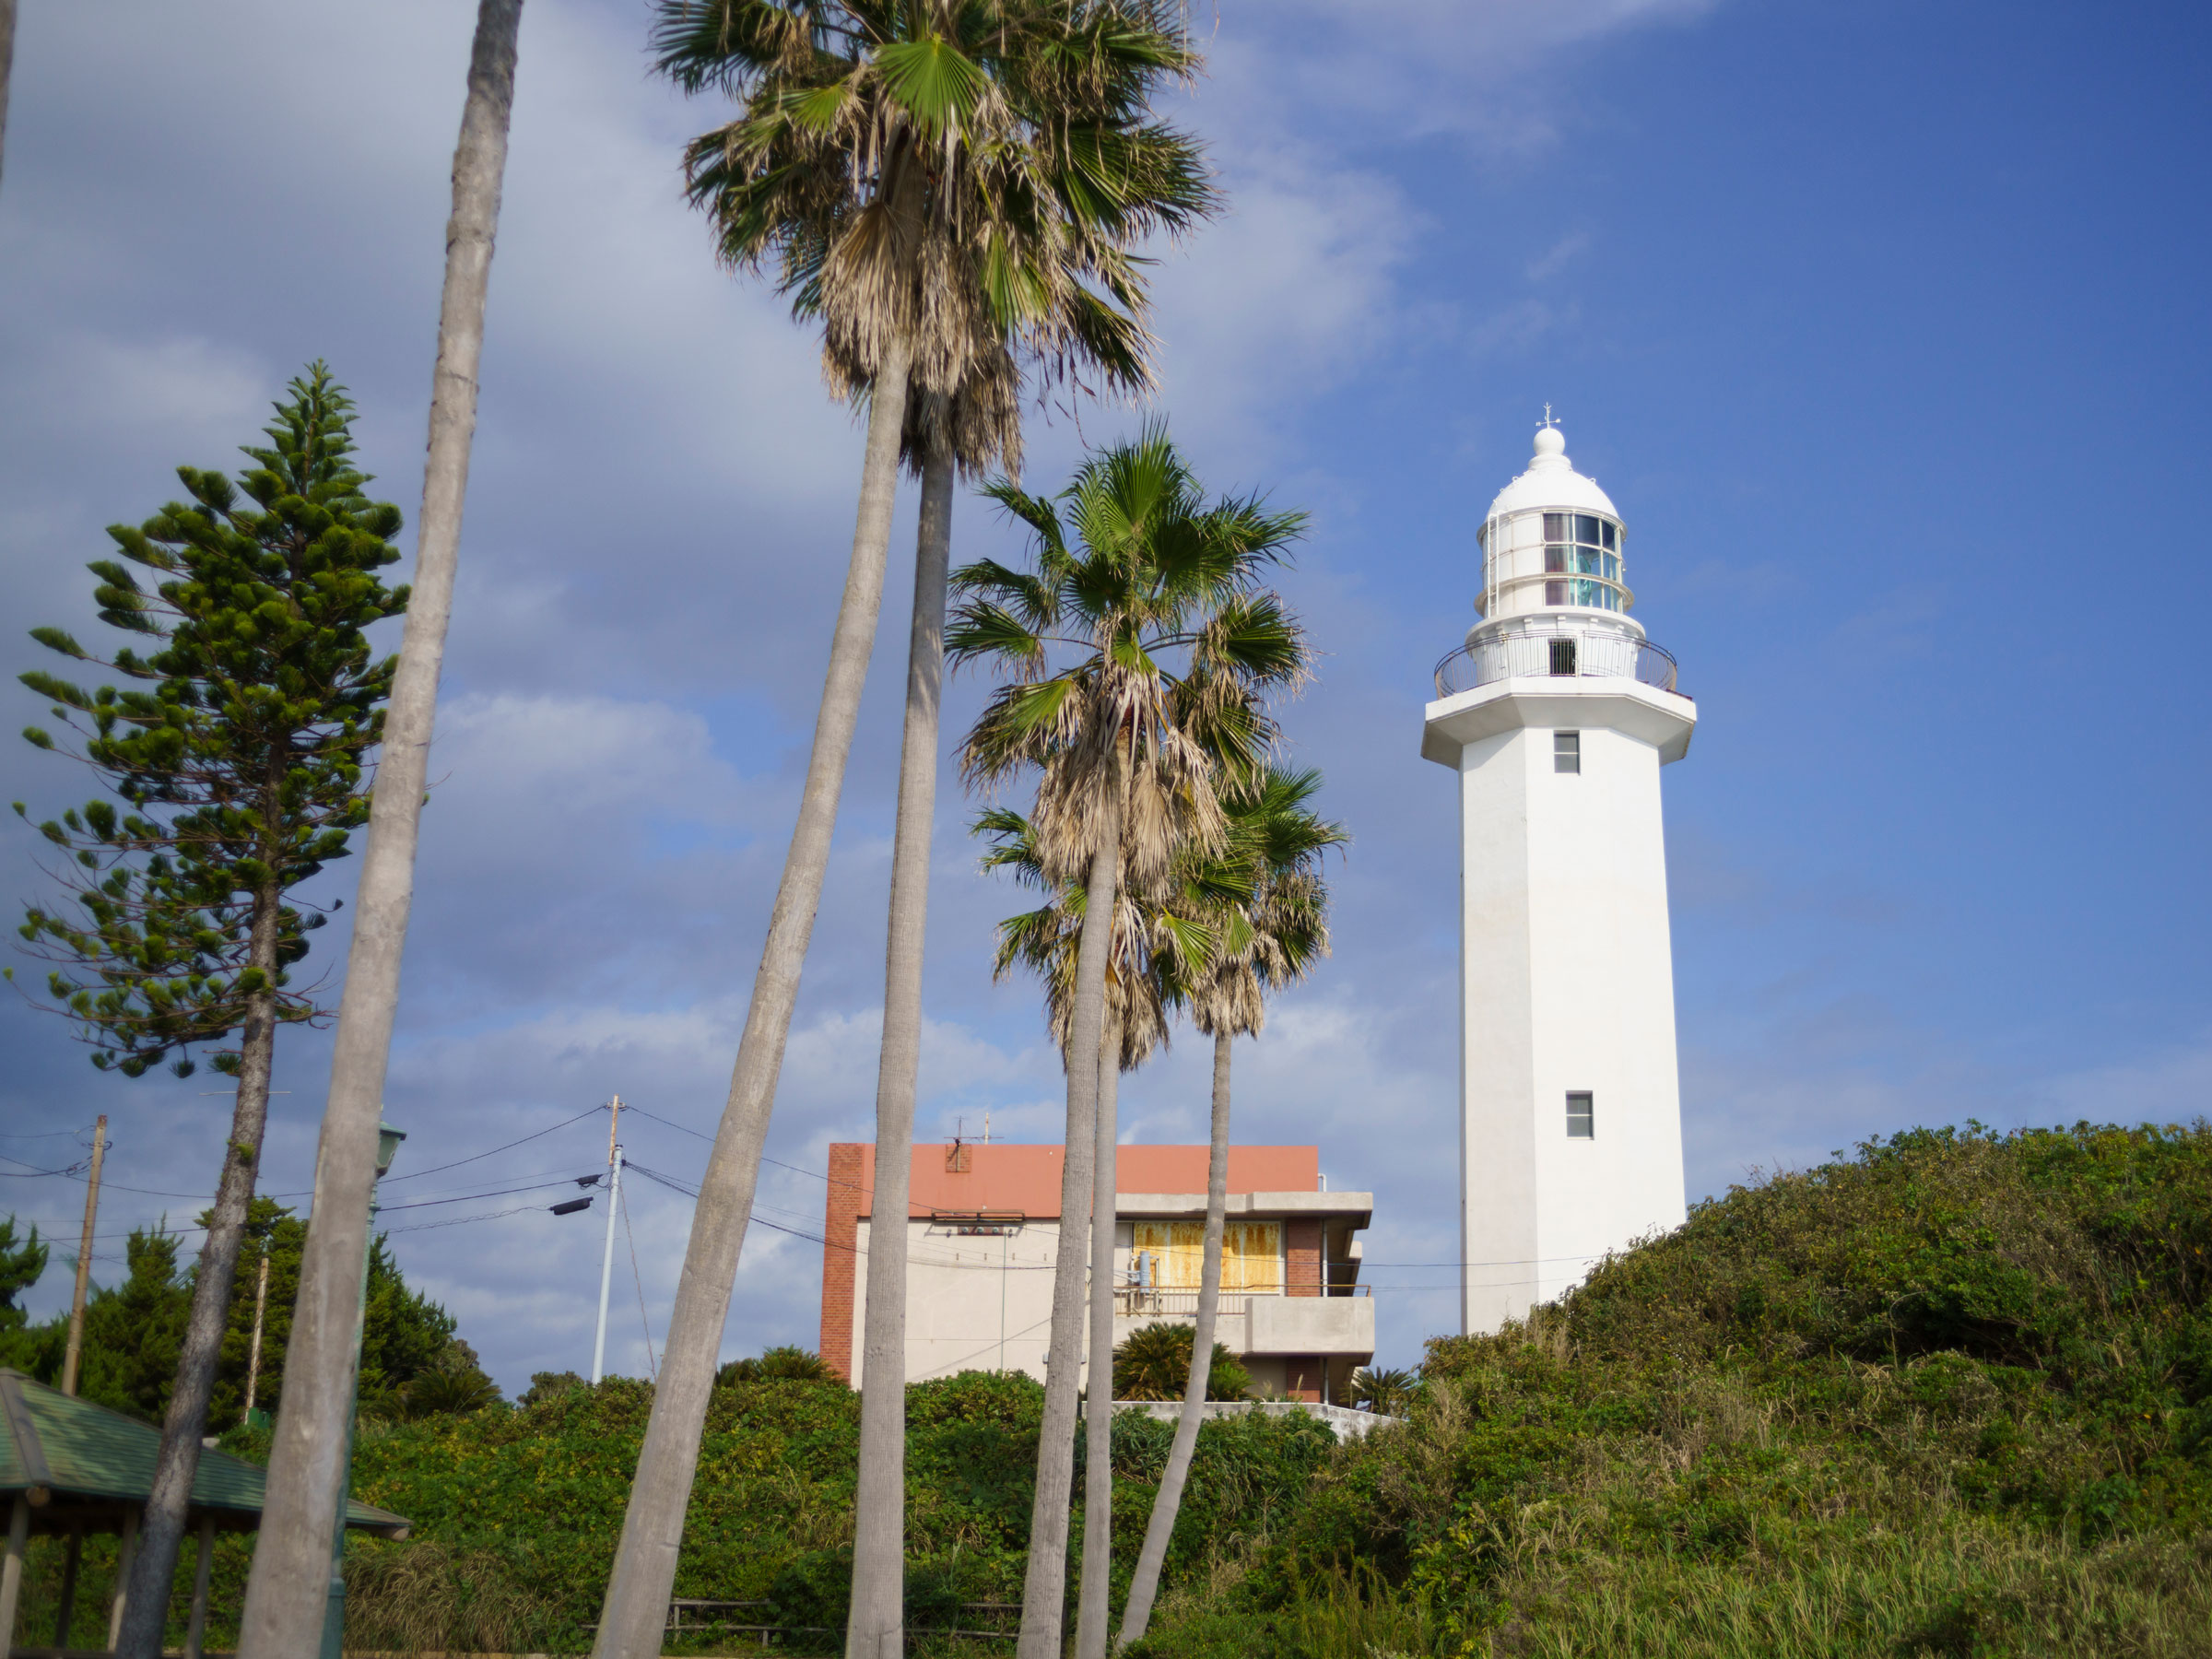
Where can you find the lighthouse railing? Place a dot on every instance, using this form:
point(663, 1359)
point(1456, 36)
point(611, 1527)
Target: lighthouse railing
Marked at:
point(1555, 655)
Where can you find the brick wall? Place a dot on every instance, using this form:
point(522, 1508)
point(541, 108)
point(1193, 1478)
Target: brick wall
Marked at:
point(1302, 1378)
point(841, 1231)
point(1301, 1249)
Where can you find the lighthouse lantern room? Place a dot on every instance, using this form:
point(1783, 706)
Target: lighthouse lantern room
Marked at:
point(1558, 714)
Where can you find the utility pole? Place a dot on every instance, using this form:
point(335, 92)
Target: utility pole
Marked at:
point(260, 1304)
point(606, 1263)
point(84, 1261)
point(69, 1358)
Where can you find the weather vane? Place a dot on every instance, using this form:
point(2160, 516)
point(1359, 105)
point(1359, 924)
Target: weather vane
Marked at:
point(1548, 421)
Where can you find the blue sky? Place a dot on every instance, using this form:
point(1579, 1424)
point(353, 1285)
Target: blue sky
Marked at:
point(1883, 324)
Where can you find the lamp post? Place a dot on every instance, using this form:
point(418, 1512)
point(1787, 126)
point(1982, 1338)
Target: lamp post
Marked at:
point(333, 1616)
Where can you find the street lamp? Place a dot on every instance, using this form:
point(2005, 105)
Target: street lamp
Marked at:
point(334, 1613)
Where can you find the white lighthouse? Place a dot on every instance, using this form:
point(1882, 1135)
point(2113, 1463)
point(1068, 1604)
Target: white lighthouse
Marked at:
point(1557, 714)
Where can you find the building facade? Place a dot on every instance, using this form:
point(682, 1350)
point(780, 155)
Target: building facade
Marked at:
point(1557, 713)
point(983, 1230)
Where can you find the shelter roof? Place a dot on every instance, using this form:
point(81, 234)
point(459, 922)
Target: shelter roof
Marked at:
point(77, 1459)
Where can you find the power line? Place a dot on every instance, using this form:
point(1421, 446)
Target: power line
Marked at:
point(652, 1365)
point(475, 1157)
point(73, 1171)
point(794, 1168)
point(470, 1197)
point(31, 1171)
point(464, 1220)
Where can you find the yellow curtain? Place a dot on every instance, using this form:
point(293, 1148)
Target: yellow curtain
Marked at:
point(1251, 1255)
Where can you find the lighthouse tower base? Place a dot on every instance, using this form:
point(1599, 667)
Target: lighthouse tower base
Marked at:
point(1571, 1141)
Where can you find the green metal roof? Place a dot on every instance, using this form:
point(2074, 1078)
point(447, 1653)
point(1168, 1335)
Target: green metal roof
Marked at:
point(70, 1447)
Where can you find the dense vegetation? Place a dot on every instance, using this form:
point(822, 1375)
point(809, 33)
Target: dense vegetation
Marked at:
point(516, 1510)
point(134, 1329)
point(1950, 1396)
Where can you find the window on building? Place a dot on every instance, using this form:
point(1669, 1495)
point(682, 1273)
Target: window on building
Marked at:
point(1582, 545)
point(1566, 751)
point(1251, 1255)
point(1581, 1118)
point(1562, 656)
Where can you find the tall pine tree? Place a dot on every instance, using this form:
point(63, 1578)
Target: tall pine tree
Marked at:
point(20, 1266)
point(235, 765)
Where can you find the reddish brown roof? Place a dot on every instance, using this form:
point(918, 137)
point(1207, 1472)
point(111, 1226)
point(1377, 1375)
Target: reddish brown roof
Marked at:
point(1026, 1179)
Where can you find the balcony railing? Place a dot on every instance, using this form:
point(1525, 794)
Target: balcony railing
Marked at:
point(1129, 1301)
point(1555, 655)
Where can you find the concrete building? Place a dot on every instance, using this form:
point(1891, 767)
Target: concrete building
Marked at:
point(1558, 714)
point(984, 1229)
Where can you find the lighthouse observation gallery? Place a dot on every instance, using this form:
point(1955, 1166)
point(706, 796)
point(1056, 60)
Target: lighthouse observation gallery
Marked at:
point(1558, 714)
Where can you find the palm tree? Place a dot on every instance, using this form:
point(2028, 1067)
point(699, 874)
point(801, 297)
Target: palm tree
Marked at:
point(1269, 917)
point(943, 186)
point(1154, 1363)
point(287, 1591)
point(1385, 1392)
point(1139, 652)
point(7, 60)
point(1150, 946)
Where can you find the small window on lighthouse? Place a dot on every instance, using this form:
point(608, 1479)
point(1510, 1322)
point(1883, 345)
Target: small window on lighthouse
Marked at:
point(1581, 1116)
point(1566, 751)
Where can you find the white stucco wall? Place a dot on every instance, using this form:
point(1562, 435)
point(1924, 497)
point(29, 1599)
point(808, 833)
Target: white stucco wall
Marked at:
point(972, 1303)
point(1566, 985)
point(985, 1303)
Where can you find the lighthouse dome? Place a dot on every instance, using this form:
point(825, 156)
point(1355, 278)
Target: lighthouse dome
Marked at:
point(1553, 546)
point(1551, 481)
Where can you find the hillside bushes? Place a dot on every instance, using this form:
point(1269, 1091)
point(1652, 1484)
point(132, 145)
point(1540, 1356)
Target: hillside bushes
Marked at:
point(516, 1512)
point(1949, 1396)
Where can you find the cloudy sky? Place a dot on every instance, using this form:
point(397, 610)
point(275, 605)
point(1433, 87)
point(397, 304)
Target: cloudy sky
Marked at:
point(1883, 323)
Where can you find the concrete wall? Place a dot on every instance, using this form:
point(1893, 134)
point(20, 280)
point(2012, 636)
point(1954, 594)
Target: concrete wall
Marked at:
point(984, 1303)
point(972, 1303)
point(1348, 1422)
point(1566, 985)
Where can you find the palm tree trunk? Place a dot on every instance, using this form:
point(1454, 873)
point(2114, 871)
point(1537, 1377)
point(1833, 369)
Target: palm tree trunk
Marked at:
point(1044, 1585)
point(287, 1590)
point(1093, 1609)
point(1137, 1614)
point(161, 1533)
point(7, 60)
point(875, 1628)
point(635, 1614)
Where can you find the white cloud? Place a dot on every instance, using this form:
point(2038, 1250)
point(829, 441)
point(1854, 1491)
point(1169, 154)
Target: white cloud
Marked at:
point(1559, 256)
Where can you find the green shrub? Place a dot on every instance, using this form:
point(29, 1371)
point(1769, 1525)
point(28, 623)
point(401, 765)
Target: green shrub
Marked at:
point(1950, 1396)
point(1947, 1396)
point(1153, 1362)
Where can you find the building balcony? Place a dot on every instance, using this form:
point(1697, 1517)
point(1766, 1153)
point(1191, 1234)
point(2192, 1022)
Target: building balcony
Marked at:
point(1555, 654)
point(1339, 1325)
